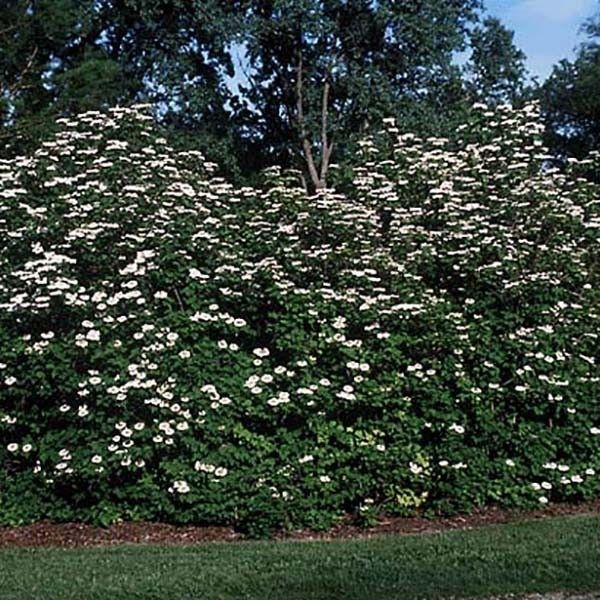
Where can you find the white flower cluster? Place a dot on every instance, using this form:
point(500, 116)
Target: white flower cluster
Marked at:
point(151, 313)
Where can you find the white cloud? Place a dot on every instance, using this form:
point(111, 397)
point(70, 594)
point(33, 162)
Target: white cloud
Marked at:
point(559, 11)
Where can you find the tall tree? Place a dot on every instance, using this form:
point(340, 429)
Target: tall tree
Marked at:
point(323, 69)
point(496, 71)
point(571, 98)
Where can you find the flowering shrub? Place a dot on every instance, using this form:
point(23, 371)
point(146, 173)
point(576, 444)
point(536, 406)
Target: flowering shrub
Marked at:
point(174, 348)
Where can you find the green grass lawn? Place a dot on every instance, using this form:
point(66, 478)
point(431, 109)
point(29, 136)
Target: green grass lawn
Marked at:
point(551, 555)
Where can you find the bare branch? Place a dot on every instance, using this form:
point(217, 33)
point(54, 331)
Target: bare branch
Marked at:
point(326, 147)
point(8, 29)
point(19, 83)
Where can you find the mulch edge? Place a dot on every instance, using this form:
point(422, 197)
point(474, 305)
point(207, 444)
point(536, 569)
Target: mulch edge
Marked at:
point(46, 534)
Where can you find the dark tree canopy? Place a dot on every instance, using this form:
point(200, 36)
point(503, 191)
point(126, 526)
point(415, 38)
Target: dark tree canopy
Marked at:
point(59, 57)
point(497, 69)
point(571, 98)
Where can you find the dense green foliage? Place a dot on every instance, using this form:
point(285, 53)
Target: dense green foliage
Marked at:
point(176, 348)
point(558, 555)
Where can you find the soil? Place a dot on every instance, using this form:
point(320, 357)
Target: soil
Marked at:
point(74, 535)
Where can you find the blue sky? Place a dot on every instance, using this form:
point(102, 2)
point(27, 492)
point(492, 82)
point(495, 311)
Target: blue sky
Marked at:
point(546, 30)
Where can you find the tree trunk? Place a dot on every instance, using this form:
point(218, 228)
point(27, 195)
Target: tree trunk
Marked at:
point(316, 178)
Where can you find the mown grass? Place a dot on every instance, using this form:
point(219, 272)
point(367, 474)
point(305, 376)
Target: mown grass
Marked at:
point(551, 555)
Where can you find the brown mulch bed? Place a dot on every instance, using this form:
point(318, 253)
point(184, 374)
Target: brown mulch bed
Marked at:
point(73, 535)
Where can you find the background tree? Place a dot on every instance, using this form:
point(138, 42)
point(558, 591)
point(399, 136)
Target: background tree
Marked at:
point(571, 98)
point(496, 72)
point(323, 70)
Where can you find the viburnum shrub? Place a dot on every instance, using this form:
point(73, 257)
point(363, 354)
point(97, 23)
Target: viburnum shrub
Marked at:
point(177, 349)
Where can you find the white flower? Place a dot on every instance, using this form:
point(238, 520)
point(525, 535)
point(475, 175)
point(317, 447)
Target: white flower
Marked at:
point(196, 274)
point(509, 462)
point(205, 467)
point(306, 458)
point(96, 459)
point(220, 472)
point(10, 381)
point(324, 479)
point(181, 486)
point(415, 468)
point(261, 352)
point(543, 500)
point(93, 335)
point(12, 447)
point(185, 354)
point(27, 448)
point(457, 428)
